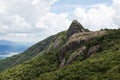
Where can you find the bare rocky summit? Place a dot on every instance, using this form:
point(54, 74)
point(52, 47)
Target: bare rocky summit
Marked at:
point(75, 27)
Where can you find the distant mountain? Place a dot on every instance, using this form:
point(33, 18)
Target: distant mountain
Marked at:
point(4, 42)
point(9, 48)
point(74, 54)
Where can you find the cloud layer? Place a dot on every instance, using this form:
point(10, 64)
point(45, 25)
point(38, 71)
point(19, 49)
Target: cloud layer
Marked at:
point(100, 16)
point(33, 20)
point(29, 19)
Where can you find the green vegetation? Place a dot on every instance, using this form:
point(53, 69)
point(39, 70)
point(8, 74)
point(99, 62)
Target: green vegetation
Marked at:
point(103, 65)
point(27, 55)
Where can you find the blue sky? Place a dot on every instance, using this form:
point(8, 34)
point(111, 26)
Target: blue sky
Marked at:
point(41, 18)
point(80, 2)
point(62, 5)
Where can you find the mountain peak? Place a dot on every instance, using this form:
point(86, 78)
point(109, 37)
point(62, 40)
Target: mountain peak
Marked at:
point(75, 21)
point(75, 27)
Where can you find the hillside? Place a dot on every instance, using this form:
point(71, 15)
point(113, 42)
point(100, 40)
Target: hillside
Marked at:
point(28, 54)
point(75, 54)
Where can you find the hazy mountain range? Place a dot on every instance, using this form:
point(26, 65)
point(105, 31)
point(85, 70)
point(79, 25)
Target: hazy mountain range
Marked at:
point(9, 48)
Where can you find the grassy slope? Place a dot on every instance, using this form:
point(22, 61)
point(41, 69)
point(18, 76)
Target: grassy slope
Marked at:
point(104, 65)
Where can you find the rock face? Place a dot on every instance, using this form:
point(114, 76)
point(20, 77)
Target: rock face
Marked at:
point(75, 27)
point(74, 56)
point(77, 41)
point(77, 36)
point(93, 50)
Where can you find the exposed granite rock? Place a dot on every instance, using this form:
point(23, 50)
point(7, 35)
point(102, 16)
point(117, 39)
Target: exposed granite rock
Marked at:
point(77, 40)
point(74, 56)
point(63, 63)
point(75, 27)
point(50, 47)
point(93, 50)
point(56, 43)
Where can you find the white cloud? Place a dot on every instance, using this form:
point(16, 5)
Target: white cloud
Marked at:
point(102, 16)
point(53, 23)
point(29, 19)
point(18, 34)
point(116, 5)
point(2, 7)
point(19, 21)
point(80, 13)
point(32, 20)
point(42, 5)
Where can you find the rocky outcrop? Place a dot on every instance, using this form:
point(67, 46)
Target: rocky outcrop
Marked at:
point(77, 36)
point(63, 62)
point(75, 27)
point(54, 44)
point(76, 41)
point(93, 50)
point(74, 56)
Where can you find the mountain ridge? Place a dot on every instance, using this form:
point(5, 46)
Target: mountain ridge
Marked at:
point(85, 55)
